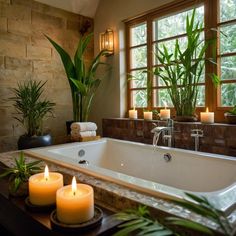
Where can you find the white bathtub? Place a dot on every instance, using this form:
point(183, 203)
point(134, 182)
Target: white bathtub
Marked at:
point(143, 168)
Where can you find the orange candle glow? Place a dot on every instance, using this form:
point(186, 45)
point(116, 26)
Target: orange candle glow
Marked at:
point(75, 203)
point(43, 187)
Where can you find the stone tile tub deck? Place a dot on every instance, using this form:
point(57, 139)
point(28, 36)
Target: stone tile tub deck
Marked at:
point(116, 197)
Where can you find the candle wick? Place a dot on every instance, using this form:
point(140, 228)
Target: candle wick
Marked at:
point(74, 193)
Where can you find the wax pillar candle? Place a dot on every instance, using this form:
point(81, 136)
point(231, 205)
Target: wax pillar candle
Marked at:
point(43, 187)
point(207, 117)
point(147, 115)
point(133, 114)
point(164, 114)
point(75, 203)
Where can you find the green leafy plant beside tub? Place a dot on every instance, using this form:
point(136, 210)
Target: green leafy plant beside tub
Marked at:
point(230, 116)
point(83, 80)
point(232, 111)
point(19, 175)
point(139, 222)
point(31, 111)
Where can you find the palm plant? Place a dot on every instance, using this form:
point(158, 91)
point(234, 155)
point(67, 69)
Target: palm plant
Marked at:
point(30, 108)
point(181, 70)
point(82, 80)
point(139, 222)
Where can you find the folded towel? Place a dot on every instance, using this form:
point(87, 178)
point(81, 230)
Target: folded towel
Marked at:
point(77, 134)
point(83, 126)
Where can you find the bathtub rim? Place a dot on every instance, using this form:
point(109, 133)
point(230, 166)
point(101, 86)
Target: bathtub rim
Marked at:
point(215, 196)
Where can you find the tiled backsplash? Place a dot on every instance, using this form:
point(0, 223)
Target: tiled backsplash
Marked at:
point(218, 138)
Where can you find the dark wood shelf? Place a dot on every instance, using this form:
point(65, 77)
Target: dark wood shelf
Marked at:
point(16, 220)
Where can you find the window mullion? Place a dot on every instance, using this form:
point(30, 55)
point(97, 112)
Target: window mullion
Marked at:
point(149, 61)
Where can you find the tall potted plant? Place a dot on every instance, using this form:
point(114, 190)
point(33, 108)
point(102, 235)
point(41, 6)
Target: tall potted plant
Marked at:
point(31, 110)
point(83, 80)
point(181, 70)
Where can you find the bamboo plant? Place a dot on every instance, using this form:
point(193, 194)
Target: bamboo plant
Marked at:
point(181, 69)
point(83, 80)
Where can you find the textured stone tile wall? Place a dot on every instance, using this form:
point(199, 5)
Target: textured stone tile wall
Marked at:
point(218, 138)
point(25, 54)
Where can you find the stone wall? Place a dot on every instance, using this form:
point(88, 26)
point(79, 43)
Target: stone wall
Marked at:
point(218, 138)
point(25, 54)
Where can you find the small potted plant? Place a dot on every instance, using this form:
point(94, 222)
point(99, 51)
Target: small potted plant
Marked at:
point(19, 175)
point(31, 111)
point(230, 116)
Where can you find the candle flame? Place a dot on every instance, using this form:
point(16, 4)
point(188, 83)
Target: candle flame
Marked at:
point(74, 185)
point(46, 173)
point(207, 109)
point(134, 108)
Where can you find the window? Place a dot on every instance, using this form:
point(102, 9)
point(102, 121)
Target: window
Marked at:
point(227, 52)
point(147, 34)
point(165, 32)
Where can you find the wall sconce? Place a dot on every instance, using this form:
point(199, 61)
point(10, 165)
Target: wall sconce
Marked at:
point(107, 41)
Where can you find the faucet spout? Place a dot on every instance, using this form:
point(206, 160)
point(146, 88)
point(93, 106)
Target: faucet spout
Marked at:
point(167, 132)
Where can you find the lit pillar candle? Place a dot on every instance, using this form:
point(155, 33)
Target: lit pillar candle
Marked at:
point(75, 203)
point(147, 115)
point(207, 117)
point(164, 114)
point(133, 114)
point(43, 187)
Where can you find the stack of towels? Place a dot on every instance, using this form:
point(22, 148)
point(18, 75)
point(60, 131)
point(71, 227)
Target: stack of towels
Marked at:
point(82, 129)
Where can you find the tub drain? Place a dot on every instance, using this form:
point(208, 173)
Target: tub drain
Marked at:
point(81, 153)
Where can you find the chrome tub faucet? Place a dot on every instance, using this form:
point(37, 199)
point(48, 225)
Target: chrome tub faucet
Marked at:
point(196, 134)
point(166, 131)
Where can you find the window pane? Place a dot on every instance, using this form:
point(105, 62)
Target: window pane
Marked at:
point(138, 79)
point(139, 57)
point(162, 98)
point(228, 68)
point(227, 10)
point(175, 24)
point(201, 96)
point(228, 94)
point(139, 34)
point(228, 42)
point(139, 98)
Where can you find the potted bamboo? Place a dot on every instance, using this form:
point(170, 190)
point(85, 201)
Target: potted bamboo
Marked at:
point(31, 111)
point(181, 70)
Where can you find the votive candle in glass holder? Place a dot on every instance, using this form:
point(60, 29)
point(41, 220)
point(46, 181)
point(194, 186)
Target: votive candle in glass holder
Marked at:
point(147, 115)
point(207, 117)
point(133, 114)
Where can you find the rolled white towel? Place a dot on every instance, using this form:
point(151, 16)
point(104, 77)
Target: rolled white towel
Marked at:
point(83, 126)
point(77, 134)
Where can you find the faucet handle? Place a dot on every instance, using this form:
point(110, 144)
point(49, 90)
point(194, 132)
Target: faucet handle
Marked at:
point(170, 122)
point(197, 133)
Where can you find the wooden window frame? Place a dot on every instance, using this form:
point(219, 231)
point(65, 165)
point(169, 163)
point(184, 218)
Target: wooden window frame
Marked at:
point(211, 20)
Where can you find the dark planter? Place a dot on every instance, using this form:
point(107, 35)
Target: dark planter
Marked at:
point(26, 142)
point(68, 124)
point(230, 118)
point(185, 118)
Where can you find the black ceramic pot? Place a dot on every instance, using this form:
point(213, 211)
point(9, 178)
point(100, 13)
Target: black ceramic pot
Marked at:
point(68, 124)
point(230, 118)
point(186, 118)
point(26, 142)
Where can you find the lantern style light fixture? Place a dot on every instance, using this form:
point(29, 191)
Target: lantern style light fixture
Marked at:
point(107, 41)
